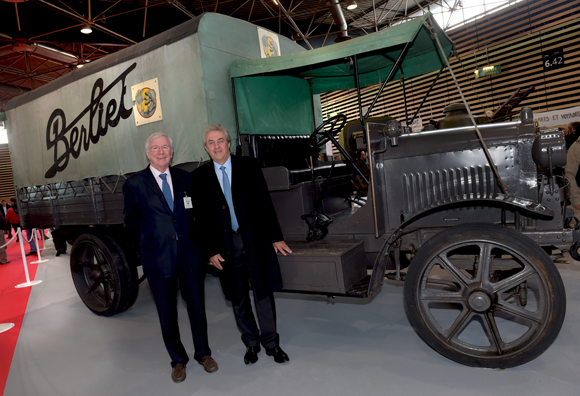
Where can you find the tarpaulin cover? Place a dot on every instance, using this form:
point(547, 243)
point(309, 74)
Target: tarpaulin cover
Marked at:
point(82, 124)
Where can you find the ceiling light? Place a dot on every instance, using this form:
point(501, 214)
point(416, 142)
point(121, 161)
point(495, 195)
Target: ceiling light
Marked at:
point(86, 29)
point(351, 5)
point(79, 65)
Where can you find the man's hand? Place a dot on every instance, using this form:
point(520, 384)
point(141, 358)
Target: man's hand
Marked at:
point(281, 247)
point(215, 261)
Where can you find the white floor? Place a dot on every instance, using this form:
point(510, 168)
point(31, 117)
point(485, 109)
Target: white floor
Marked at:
point(336, 347)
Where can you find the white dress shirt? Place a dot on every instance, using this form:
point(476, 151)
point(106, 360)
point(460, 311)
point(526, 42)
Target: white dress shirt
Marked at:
point(159, 181)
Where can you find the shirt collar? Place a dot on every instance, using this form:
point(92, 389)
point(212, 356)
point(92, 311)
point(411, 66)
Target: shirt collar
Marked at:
point(228, 164)
point(156, 173)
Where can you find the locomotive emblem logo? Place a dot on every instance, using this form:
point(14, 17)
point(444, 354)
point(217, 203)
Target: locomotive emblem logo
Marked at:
point(146, 102)
point(269, 44)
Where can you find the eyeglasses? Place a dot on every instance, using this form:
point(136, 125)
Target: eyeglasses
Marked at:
point(157, 148)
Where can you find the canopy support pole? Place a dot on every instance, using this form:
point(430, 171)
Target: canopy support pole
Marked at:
point(499, 180)
point(238, 139)
point(364, 127)
point(405, 100)
point(387, 80)
point(428, 92)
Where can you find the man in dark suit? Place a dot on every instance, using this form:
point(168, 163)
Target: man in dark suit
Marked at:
point(158, 208)
point(4, 207)
point(241, 235)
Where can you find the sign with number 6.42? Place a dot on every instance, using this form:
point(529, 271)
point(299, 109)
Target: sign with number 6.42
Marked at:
point(553, 59)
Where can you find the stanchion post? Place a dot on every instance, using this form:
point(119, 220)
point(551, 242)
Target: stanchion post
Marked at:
point(44, 247)
point(28, 282)
point(5, 326)
point(35, 236)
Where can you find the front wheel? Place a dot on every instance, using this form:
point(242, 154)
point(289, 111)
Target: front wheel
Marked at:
point(484, 295)
point(102, 276)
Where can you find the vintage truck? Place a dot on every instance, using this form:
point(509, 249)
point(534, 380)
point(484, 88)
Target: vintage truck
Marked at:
point(465, 216)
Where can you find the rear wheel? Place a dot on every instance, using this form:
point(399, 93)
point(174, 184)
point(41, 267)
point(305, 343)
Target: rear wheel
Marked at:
point(485, 296)
point(102, 276)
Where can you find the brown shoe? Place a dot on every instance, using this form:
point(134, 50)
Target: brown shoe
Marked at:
point(209, 364)
point(178, 373)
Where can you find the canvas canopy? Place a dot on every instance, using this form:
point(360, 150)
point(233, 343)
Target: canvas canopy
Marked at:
point(282, 87)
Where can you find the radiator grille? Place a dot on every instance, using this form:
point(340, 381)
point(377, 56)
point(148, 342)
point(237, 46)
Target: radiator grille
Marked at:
point(423, 189)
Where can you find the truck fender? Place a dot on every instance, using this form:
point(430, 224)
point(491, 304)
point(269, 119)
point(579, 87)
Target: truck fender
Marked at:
point(517, 203)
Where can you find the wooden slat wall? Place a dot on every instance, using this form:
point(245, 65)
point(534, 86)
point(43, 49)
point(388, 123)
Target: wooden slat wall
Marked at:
point(515, 38)
point(6, 179)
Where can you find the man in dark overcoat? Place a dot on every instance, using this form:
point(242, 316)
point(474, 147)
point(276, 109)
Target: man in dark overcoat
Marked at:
point(241, 236)
point(158, 208)
point(4, 207)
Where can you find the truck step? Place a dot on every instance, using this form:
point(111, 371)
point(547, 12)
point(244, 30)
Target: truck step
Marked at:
point(326, 267)
point(361, 288)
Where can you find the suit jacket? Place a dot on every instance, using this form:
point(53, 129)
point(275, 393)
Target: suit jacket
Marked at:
point(256, 217)
point(148, 215)
point(4, 212)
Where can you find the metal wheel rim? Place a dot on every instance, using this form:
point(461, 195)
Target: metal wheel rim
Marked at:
point(468, 288)
point(93, 276)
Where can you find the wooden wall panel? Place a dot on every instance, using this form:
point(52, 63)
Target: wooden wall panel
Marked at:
point(515, 38)
point(6, 179)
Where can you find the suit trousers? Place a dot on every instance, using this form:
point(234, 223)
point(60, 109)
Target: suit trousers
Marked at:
point(265, 308)
point(3, 256)
point(191, 286)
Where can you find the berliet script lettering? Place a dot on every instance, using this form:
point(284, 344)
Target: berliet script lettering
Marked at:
point(57, 129)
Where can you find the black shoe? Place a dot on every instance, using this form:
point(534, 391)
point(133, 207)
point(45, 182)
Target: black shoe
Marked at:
point(279, 355)
point(31, 254)
point(251, 355)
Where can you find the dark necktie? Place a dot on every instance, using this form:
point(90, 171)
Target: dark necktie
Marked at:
point(228, 195)
point(166, 190)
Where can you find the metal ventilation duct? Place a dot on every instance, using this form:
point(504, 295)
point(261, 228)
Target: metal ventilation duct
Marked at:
point(339, 20)
point(13, 89)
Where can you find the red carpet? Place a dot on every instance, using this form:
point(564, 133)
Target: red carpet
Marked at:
point(13, 303)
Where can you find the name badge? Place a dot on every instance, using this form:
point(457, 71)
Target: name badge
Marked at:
point(187, 203)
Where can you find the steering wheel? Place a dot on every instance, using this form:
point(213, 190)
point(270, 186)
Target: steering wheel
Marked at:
point(336, 124)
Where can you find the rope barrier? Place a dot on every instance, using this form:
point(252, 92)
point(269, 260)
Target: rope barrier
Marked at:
point(31, 236)
point(8, 243)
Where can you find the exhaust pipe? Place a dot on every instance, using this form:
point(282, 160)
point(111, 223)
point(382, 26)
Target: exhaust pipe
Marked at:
point(339, 20)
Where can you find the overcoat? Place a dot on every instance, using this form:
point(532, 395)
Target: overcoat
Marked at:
point(147, 213)
point(256, 217)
